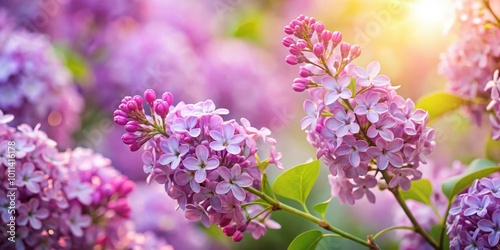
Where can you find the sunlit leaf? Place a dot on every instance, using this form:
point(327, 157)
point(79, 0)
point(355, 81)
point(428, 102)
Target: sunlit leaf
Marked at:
point(440, 103)
point(297, 182)
point(420, 191)
point(306, 241)
point(479, 168)
point(321, 208)
point(75, 63)
point(436, 235)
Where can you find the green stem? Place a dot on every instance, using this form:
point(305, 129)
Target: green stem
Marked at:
point(443, 227)
point(402, 203)
point(487, 4)
point(392, 228)
point(281, 206)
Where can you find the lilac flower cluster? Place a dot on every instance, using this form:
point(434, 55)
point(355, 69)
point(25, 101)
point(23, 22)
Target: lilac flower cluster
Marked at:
point(474, 220)
point(355, 119)
point(494, 105)
point(203, 161)
point(469, 63)
point(66, 200)
point(34, 84)
point(427, 216)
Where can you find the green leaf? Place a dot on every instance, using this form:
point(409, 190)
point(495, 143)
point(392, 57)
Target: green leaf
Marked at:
point(440, 103)
point(248, 26)
point(306, 241)
point(266, 187)
point(479, 168)
point(420, 191)
point(436, 235)
point(75, 63)
point(297, 182)
point(493, 150)
point(321, 208)
point(352, 87)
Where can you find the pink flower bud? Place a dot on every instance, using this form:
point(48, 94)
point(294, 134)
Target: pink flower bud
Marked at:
point(161, 108)
point(138, 100)
point(119, 113)
point(120, 207)
point(319, 27)
point(336, 38)
point(129, 138)
point(294, 50)
point(168, 97)
point(288, 30)
point(301, 17)
point(300, 84)
point(304, 72)
point(229, 230)
point(355, 52)
point(326, 35)
point(318, 49)
point(301, 44)
point(120, 120)
point(344, 49)
point(134, 146)
point(126, 187)
point(237, 236)
point(123, 107)
point(150, 96)
point(132, 126)
point(291, 59)
point(287, 41)
point(131, 105)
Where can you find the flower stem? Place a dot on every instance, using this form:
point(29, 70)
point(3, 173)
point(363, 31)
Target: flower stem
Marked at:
point(281, 206)
point(392, 228)
point(402, 203)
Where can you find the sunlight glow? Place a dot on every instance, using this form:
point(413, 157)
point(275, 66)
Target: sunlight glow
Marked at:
point(431, 13)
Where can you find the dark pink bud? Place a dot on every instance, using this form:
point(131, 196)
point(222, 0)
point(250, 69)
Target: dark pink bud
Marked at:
point(336, 38)
point(224, 222)
point(288, 30)
point(301, 17)
point(129, 138)
point(126, 99)
point(319, 27)
point(168, 97)
point(287, 41)
point(120, 207)
point(131, 105)
point(138, 100)
point(291, 59)
point(344, 49)
point(119, 113)
point(318, 49)
point(294, 50)
point(229, 230)
point(326, 35)
point(132, 126)
point(123, 107)
point(150, 96)
point(237, 236)
point(134, 146)
point(161, 108)
point(300, 84)
point(120, 120)
point(304, 72)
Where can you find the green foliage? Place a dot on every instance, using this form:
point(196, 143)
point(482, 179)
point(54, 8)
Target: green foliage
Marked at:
point(440, 103)
point(306, 241)
point(297, 182)
point(493, 150)
point(436, 231)
point(75, 63)
point(479, 168)
point(420, 191)
point(352, 87)
point(321, 208)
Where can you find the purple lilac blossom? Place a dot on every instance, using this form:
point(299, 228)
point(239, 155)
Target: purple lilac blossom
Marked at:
point(355, 119)
point(471, 60)
point(34, 84)
point(474, 219)
point(208, 182)
point(64, 200)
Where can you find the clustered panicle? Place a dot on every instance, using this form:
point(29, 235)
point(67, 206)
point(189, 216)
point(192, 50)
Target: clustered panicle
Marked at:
point(494, 105)
point(64, 200)
point(355, 119)
point(474, 220)
point(471, 60)
point(203, 161)
point(34, 84)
